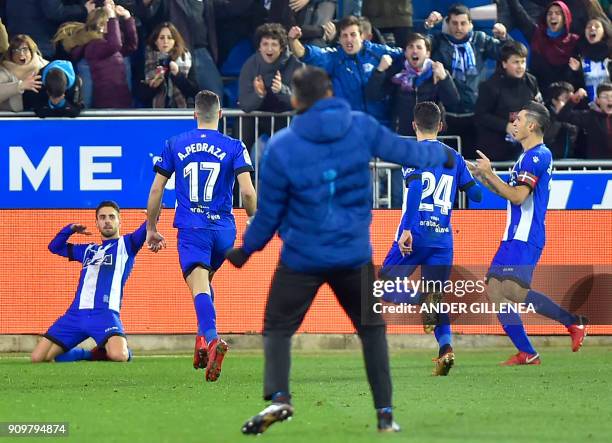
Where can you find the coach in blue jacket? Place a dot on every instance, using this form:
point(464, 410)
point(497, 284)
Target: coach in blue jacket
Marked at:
point(315, 191)
point(350, 65)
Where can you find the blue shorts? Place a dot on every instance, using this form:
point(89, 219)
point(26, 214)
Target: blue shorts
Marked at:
point(435, 263)
point(515, 260)
point(203, 247)
point(75, 326)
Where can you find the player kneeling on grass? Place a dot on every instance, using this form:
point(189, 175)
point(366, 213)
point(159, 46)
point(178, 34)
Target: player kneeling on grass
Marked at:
point(424, 237)
point(509, 277)
point(95, 310)
point(205, 163)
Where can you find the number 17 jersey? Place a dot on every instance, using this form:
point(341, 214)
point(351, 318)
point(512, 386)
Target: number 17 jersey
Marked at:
point(440, 184)
point(205, 163)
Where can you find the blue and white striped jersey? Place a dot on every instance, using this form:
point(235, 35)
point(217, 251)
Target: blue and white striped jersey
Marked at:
point(525, 222)
point(106, 267)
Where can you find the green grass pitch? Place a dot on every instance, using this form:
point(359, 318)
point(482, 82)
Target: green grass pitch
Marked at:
point(163, 399)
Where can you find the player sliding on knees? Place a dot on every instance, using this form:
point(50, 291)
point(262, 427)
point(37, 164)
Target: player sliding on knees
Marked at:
point(424, 237)
point(95, 310)
point(205, 162)
point(511, 271)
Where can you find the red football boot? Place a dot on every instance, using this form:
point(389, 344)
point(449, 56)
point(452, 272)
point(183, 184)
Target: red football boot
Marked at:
point(577, 332)
point(200, 353)
point(522, 358)
point(216, 353)
point(444, 363)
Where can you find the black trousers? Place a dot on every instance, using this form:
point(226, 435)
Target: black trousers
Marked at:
point(290, 297)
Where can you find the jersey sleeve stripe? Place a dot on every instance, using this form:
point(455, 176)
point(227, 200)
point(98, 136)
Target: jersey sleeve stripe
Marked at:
point(243, 169)
point(467, 186)
point(70, 248)
point(161, 171)
point(412, 177)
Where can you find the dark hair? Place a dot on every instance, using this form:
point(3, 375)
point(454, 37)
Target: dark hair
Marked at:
point(604, 87)
point(417, 36)
point(510, 48)
point(349, 20)
point(273, 31)
point(108, 204)
point(207, 105)
point(56, 83)
point(427, 116)
point(178, 50)
point(310, 84)
point(606, 25)
point(538, 113)
point(458, 9)
point(557, 88)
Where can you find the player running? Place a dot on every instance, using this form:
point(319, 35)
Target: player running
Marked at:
point(511, 271)
point(424, 237)
point(94, 311)
point(205, 162)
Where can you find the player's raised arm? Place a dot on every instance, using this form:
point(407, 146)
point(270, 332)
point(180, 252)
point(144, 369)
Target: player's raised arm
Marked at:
point(60, 246)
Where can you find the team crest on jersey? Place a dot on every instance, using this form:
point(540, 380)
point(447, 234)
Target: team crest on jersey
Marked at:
point(536, 159)
point(99, 257)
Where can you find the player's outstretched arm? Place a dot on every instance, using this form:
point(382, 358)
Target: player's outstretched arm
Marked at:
point(484, 173)
point(155, 241)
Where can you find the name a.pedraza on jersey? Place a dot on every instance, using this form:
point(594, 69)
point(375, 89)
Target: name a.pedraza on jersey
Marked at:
point(202, 147)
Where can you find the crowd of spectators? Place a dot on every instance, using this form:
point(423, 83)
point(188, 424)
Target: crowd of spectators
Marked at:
point(61, 56)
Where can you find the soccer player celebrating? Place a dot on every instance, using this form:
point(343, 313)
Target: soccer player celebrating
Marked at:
point(205, 162)
point(424, 236)
point(511, 271)
point(316, 192)
point(95, 310)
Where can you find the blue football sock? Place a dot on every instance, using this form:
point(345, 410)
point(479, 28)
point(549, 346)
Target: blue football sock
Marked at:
point(548, 308)
point(513, 326)
point(388, 410)
point(74, 354)
point(212, 297)
point(207, 317)
point(442, 331)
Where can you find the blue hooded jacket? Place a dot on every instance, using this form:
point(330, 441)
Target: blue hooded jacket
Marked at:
point(316, 188)
point(350, 74)
point(65, 67)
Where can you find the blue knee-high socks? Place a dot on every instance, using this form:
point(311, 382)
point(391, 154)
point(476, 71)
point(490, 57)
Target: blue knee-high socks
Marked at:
point(207, 317)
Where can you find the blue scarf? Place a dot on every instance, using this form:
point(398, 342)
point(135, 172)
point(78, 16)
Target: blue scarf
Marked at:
point(464, 60)
point(552, 34)
point(409, 78)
